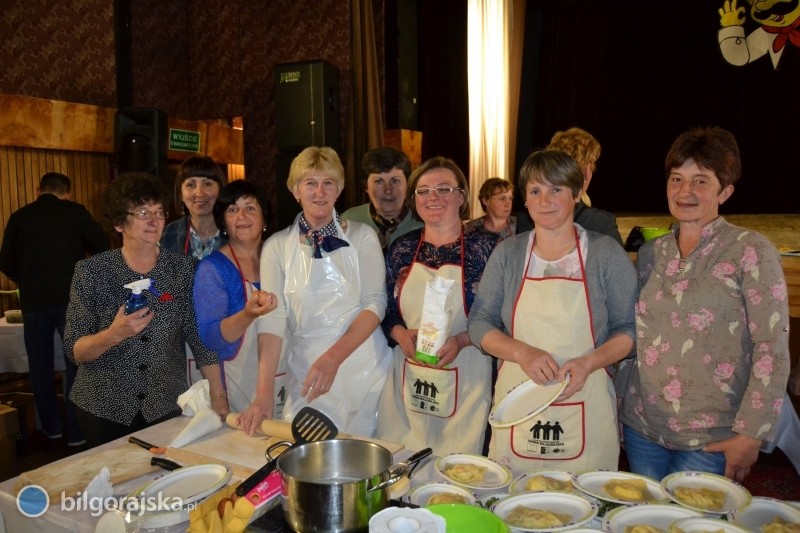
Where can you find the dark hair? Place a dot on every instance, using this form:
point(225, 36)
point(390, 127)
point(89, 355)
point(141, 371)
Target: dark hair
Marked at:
point(432, 164)
point(382, 160)
point(551, 166)
point(55, 182)
point(491, 187)
point(712, 148)
point(235, 190)
point(196, 166)
point(128, 190)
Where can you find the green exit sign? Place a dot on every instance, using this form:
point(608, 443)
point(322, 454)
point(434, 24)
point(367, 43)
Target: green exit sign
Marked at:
point(184, 141)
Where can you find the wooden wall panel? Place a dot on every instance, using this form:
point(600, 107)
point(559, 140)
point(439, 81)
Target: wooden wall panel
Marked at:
point(20, 171)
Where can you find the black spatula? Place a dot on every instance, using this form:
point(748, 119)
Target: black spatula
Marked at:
point(308, 425)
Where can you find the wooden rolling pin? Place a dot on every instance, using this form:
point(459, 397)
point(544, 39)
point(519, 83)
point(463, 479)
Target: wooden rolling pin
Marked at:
point(282, 430)
point(272, 428)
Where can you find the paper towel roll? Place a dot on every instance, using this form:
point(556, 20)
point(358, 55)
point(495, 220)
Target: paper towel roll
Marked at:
point(406, 520)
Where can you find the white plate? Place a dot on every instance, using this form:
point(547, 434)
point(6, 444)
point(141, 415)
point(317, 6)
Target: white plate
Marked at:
point(592, 484)
point(496, 475)
point(661, 516)
point(399, 488)
point(525, 401)
point(698, 524)
point(189, 484)
point(736, 496)
point(518, 485)
point(762, 511)
point(580, 509)
point(420, 495)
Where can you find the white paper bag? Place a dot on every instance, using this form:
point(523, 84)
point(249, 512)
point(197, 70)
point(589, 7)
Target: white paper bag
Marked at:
point(434, 326)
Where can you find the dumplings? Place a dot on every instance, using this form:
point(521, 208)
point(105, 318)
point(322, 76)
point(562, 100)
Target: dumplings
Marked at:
point(446, 497)
point(643, 528)
point(701, 497)
point(465, 472)
point(541, 483)
point(679, 530)
point(536, 518)
point(779, 525)
point(631, 490)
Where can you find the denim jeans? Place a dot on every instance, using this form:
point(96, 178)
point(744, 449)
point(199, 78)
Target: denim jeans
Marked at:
point(39, 328)
point(650, 459)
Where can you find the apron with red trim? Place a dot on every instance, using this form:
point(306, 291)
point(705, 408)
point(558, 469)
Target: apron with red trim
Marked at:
point(445, 409)
point(580, 433)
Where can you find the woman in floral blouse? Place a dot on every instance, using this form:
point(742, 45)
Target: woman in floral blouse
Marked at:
point(712, 326)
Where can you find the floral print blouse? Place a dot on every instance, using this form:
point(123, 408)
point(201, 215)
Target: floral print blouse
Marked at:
point(712, 339)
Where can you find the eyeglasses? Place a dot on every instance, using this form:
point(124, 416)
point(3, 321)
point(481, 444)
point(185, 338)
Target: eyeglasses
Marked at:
point(440, 191)
point(146, 214)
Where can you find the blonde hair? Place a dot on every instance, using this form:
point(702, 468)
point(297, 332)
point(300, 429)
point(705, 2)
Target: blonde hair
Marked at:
point(581, 145)
point(316, 160)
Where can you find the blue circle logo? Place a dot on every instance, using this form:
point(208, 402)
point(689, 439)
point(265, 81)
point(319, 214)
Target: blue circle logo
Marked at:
point(33, 501)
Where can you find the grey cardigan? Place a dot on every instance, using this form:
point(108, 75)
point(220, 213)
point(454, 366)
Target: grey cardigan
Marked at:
point(611, 281)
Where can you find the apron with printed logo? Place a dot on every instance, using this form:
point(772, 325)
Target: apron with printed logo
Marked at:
point(323, 297)
point(445, 409)
point(579, 433)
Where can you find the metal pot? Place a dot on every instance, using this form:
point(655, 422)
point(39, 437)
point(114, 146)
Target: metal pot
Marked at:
point(337, 485)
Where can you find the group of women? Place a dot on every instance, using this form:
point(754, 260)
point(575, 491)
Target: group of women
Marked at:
point(698, 328)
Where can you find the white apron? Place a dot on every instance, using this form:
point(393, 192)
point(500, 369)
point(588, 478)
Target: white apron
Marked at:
point(580, 433)
point(323, 297)
point(445, 409)
point(240, 372)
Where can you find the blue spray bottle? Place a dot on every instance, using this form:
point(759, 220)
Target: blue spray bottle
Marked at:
point(137, 299)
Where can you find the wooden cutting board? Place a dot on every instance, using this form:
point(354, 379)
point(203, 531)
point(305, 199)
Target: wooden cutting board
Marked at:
point(73, 474)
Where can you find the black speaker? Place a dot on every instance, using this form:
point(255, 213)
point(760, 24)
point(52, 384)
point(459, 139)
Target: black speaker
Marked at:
point(141, 142)
point(307, 105)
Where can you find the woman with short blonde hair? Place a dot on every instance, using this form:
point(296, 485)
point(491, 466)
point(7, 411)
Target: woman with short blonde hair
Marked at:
point(328, 275)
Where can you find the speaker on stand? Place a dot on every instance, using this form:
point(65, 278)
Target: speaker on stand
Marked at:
point(307, 104)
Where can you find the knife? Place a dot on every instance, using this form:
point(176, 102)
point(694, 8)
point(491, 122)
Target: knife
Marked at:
point(164, 463)
point(146, 445)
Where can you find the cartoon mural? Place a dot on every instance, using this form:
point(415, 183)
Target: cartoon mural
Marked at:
point(779, 24)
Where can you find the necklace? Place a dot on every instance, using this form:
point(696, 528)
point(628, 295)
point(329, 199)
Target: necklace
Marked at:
point(563, 251)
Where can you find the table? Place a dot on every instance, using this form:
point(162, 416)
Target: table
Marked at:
point(13, 357)
point(225, 444)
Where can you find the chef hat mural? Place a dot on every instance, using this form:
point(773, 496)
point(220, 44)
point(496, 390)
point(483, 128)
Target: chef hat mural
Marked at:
point(779, 25)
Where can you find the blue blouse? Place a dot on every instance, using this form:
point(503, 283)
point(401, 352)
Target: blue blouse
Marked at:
point(218, 294)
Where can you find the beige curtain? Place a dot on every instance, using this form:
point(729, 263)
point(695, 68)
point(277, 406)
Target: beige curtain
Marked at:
point(365, 127)
point(494, 64)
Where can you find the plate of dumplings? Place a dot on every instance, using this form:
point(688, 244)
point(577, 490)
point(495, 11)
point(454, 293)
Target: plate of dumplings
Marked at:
point(705, 492)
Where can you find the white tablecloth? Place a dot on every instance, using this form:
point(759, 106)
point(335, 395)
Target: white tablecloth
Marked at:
point(13, 357)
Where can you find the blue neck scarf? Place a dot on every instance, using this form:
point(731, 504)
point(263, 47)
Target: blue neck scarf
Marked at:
point(324, 238)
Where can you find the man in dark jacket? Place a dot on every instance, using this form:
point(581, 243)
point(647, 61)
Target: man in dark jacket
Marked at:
point(41, 244)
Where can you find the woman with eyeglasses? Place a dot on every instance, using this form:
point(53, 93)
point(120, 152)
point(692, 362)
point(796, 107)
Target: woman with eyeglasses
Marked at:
point(131, 367)
point(557, 303)
point(444, 405)
point(228, 300)
point(328, 276)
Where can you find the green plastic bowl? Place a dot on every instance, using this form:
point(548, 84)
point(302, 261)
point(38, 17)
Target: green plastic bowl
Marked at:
point(651, 233)
point(463, 518)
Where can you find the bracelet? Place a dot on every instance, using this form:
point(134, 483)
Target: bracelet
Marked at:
point(217, 396)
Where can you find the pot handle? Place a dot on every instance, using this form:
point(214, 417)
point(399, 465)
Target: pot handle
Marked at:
point(279, 444)
point(400, 471)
